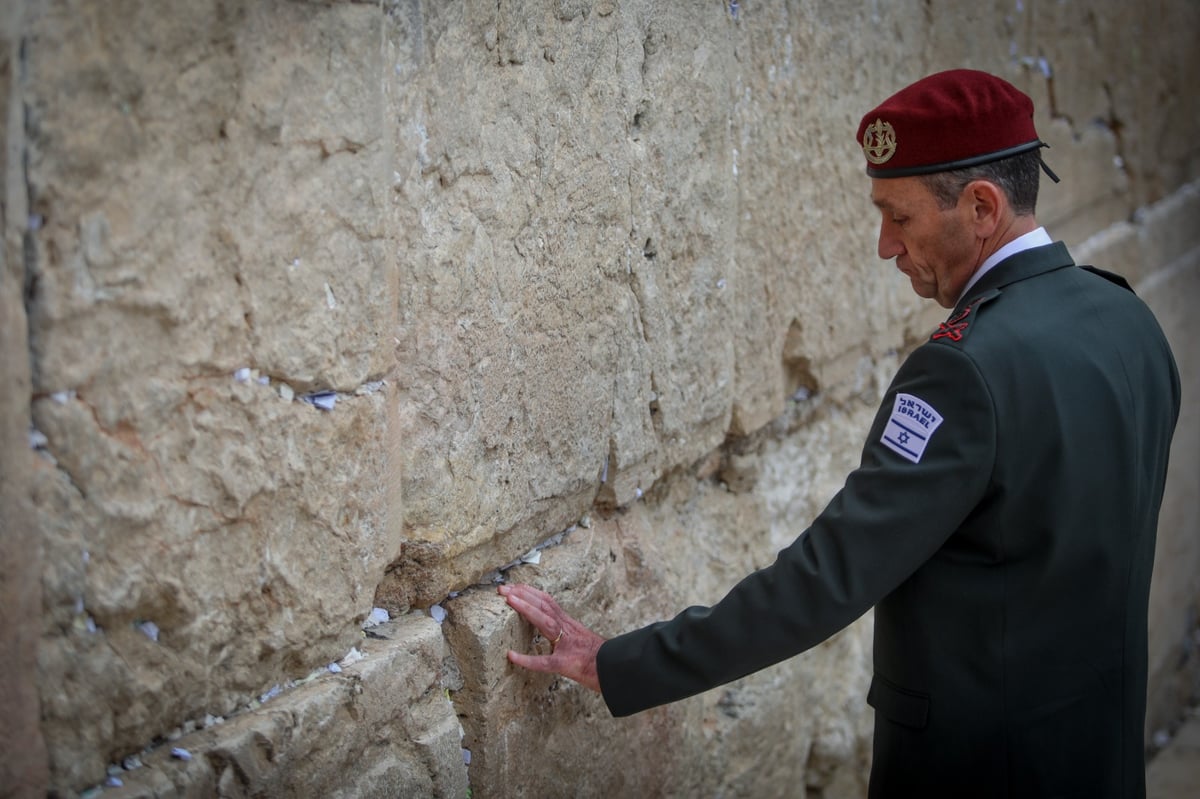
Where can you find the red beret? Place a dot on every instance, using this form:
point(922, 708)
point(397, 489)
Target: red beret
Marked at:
point(949, 120)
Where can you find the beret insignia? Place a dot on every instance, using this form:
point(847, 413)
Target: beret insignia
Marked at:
point(879, 142)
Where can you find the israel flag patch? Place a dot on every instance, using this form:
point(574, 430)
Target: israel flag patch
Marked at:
point(910, 427)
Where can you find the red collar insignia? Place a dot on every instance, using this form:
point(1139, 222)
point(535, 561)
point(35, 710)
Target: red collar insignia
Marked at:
point(954, 327)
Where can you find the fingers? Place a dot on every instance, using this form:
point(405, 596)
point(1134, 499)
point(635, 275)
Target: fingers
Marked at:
point(536, 607)
point(532, 598)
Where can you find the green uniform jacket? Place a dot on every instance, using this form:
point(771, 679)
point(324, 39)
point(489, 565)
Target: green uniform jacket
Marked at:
point(1002, 524)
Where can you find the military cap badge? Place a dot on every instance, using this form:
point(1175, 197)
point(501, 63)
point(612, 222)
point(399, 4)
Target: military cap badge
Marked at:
point(879, 142)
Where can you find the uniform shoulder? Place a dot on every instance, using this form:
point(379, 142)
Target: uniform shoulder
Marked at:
point(1111, 277)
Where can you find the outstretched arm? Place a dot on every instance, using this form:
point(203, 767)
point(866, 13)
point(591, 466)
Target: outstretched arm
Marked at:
point(573, 646)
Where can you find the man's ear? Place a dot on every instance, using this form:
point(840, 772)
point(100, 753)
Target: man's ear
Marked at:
point(987, 206)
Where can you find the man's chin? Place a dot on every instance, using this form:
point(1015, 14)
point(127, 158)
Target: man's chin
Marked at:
point(922, 290)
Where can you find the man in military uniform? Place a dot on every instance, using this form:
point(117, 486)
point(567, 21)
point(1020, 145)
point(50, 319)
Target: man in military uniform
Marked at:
point(1002, 520)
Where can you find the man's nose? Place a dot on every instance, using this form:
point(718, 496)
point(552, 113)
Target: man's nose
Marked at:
point(890, 245)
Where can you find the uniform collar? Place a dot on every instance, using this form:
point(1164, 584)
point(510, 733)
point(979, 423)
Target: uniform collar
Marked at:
point(1019, 266)
point(1038, 237)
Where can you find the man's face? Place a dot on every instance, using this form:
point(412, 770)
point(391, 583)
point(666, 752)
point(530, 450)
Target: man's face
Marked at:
point(936, 248)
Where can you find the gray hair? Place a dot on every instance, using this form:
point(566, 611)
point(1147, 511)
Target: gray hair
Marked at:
point(1016, 176)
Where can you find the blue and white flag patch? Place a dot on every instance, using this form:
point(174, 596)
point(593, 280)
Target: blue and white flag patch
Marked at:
point(911, 425)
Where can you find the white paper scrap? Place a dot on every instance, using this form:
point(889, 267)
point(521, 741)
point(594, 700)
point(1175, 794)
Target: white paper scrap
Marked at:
point(325, 400)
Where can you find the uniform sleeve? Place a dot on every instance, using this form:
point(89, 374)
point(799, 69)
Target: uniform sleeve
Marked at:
point(926, 464)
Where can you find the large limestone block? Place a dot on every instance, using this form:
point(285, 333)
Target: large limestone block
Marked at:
point(538, 316)
point(803, 722)
point(205, 188)
point(1167, 236)
point(537, 735)
point(242, 591)
point(381, 727)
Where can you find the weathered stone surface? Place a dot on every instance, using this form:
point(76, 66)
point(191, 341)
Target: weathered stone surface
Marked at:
point(23, 763)
point(663, 329)
point(806, 719)
point(211, 237)
point(586, 260)
point(381, 727)
point(1175, 773)
point(1171, 290)
point(660, 326)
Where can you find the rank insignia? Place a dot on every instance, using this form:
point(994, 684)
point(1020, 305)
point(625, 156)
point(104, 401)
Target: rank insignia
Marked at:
point(953, 328)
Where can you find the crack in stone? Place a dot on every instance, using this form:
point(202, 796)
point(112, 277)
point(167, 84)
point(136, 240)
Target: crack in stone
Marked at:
point(29, 250)
point(1116, 126)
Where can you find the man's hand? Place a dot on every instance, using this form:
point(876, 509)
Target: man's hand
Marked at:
point(573, 647)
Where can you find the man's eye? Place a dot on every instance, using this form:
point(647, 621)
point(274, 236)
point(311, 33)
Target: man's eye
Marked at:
point(899, 220)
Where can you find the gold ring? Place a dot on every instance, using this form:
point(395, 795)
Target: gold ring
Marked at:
point(561, 630)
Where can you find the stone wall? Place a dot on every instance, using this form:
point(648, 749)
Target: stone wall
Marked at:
point(309, 309)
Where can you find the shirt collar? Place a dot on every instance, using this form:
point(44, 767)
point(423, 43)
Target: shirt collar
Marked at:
point(1034, 238)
